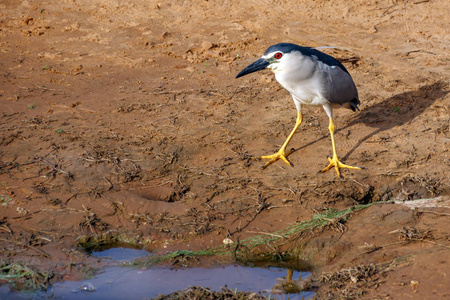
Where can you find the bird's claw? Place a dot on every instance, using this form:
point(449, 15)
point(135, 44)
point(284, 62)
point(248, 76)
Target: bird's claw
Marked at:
point(281, 154)
point(334, 162)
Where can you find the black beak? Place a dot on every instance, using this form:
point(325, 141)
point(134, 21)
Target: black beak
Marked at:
point(256, 66)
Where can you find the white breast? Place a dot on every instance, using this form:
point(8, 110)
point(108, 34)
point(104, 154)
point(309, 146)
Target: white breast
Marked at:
point(304, 85)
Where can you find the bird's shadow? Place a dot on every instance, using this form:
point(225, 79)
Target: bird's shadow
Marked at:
point(394, 111)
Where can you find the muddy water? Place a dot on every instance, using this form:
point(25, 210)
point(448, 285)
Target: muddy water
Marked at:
point(118, 282)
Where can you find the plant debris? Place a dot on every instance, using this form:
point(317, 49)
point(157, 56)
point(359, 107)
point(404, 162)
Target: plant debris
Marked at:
point(409, 234)
point(347, 283)
point(24, 276)
point(201, 293)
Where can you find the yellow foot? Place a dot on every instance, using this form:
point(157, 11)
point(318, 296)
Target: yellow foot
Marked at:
point(334, 162)
point(281, 154)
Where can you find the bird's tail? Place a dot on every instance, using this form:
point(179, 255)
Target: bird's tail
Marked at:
point(354, 104)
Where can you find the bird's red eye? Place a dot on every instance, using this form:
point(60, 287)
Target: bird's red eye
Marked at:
point(278, 55)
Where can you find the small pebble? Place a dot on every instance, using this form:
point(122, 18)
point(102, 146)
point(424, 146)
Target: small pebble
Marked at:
point(88, 287)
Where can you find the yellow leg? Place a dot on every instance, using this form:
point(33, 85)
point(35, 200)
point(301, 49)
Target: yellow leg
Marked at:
point(334, 161)
point(281, 154)
point(290, 272)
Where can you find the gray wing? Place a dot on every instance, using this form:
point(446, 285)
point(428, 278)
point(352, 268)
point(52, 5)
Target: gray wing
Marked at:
point(340, 87)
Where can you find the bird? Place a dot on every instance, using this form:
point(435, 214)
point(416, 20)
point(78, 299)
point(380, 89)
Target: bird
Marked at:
point(312, 78)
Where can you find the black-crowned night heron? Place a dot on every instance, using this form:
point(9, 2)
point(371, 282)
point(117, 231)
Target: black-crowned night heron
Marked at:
point(314, 78)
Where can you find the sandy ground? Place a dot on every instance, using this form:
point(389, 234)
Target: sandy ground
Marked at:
point(125, 117)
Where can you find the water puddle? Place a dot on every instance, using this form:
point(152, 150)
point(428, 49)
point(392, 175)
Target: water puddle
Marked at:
point(118, 282)
point(121, 254)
